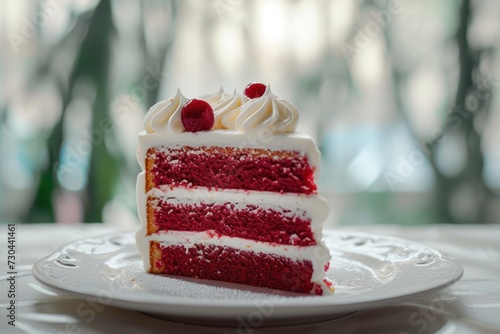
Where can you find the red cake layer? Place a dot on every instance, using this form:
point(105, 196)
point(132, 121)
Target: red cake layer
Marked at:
point(230, 168)
point(248, 222)
point(234, 266)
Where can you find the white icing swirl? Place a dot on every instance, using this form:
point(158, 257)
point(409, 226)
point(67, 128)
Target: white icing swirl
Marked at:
point(267, 112)
point(226, 111)
point(231, 112)
point(215, 98)
point(165, 116)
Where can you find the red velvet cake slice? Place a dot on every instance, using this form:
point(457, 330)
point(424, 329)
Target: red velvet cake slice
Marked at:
point(231, 196)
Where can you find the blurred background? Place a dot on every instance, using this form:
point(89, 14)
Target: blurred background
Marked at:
point(402, 97)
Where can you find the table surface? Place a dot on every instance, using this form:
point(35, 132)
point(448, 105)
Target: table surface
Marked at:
point(471, 305)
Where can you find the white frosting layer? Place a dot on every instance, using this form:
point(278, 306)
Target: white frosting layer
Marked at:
point(315, 207)
point(292, 142)
point(318, 255)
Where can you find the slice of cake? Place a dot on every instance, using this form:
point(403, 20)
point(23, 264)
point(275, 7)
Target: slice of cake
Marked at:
point(228, 193)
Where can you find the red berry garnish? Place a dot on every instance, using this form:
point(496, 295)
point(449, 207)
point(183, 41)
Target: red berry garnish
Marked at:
point(197, 115)
point(255, 90)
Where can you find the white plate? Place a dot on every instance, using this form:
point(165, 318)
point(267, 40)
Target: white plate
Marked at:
point(367, 270)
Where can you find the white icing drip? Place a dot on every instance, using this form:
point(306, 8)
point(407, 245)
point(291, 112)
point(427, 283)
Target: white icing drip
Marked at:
point(268, 113)
point(165, 116)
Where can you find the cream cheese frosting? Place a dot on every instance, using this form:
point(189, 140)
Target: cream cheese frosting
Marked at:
point(235, 112)
point(268, 112)
point(165, 116)
point(215, 98)
point(228, 110)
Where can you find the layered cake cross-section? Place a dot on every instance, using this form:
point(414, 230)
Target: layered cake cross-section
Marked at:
point(228, 193)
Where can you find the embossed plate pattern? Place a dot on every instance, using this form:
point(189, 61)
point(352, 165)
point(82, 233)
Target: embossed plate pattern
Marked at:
point(367, 270)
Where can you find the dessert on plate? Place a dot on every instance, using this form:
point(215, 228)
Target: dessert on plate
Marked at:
point(228, 192)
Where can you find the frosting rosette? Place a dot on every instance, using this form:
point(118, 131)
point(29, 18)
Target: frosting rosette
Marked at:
point(215, 98)
point(267, 112)
point(165, 116)
point(235, 112)
point(227, 110)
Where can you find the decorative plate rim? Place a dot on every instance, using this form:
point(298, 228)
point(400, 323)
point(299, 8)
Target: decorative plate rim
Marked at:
point(353, 303)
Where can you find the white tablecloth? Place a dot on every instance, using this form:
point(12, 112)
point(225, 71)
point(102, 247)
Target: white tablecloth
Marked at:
point(471, 305)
